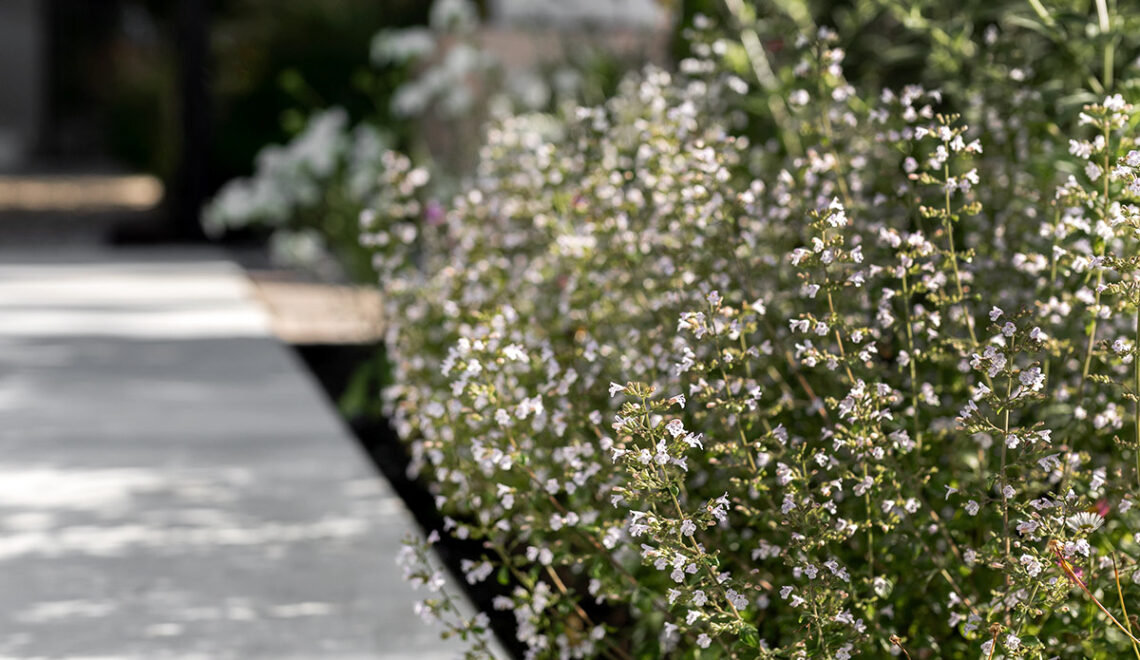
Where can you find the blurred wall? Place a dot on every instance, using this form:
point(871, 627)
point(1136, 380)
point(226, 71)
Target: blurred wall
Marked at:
point(21, 73)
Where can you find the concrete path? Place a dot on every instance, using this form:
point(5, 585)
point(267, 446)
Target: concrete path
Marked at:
point(172, 482)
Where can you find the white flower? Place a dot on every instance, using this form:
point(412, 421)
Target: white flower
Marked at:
point(737, 600)
point(1084, 522)
point(995, 313)
point(1033, 378)
point(1115, 103)
point(703, 641)
point(514, 352)
point(615, 388)
point(1080, 148)
point(838, 215)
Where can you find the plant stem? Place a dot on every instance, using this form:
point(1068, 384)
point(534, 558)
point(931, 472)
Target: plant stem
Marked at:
point(1120, 592)
point(1028, 605)
point(1105, 205)
point(958, 279)
point(1068, 570)
point(839, 338)
point(1105, 26)
point(828, 134)
point(762, 69)
point(724, 375)
point(1004, 498)
point(949, 224)
point(911, 361)
point(898, 642)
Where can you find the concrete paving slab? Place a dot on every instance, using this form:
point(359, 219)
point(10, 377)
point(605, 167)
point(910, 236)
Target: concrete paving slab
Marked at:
point(173, 484)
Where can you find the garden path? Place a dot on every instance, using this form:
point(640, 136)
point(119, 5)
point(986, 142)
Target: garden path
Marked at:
point(173, 484)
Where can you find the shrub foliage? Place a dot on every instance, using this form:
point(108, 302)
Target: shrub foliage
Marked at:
point(864, 386)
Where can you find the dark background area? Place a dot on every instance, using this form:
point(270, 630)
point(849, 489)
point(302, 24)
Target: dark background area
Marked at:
point(186, 90)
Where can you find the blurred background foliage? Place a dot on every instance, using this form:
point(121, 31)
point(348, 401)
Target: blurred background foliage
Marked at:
point(275, 63)
point(273, 66)
point(1074, 51)
point(424, 88)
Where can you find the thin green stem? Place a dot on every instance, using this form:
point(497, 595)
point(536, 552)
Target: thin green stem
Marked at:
point(1136, 389)
point(766, 76)
point(1123, 607)
point(911, 363)
point(839, 338)
point(829, 134)
point(1105, 207)
point(1002, 475)
point(1028, 606)
point(1042, 13)
point(954, 260)
point(1105, 25)
point(948, 222)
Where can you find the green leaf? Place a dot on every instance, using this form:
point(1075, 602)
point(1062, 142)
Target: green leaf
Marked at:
point(736, 58)
point(750, 636)
point(354, 399)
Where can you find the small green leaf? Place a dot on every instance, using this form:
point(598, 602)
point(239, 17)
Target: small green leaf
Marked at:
point(750, 636)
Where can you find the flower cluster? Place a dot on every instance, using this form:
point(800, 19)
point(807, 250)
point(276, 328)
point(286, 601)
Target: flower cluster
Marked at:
point(309, 191)
point(869, 390)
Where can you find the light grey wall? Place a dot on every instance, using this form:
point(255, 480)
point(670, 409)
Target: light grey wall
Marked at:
point(613, 14)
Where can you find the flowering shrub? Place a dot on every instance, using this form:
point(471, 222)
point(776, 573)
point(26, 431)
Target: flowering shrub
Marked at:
point(309, 191)
point(867, 389)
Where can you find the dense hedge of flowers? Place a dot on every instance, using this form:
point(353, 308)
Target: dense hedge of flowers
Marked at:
point(866, 389)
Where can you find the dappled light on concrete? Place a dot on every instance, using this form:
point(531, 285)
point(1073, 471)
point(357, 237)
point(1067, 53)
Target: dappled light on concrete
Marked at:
point(172, 484)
